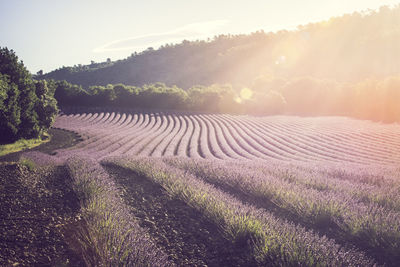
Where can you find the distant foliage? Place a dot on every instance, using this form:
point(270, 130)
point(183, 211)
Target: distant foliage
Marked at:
point(151, 96)
point(375, 100)
point(27, 109)
point(371, 99)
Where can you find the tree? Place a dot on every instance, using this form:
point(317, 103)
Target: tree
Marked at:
point(45, 107)
point(9, 110)
point(69, 94)
point(20, 99)
point(21, 77)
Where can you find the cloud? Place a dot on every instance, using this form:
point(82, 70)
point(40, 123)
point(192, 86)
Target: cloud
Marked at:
point(191, 31)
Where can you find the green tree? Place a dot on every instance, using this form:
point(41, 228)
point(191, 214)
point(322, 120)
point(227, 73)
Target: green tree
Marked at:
point(9, 110)
point(20, 76)
point(68, 94)
point(45, 106)
point(21, 100)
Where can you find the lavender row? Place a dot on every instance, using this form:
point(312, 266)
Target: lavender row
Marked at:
point(108, 235)
point(233, 143)
point(339, 179)
point(283, 143)
point(340, 133)
point(183, 144)
point(376, 226)
point(264, 143)
point(274, 241)
point(104, 134)
point(226, 137)
point(195, 143)
point(226, 141)
point(101, 131)
point(214, 143)
point(376, 174)
point(129, 139)
point(147, 137)
point(170, 144)
point(310, 146)
point(155, 145)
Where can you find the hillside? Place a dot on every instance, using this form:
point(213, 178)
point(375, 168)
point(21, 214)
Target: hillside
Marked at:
point(337, 49)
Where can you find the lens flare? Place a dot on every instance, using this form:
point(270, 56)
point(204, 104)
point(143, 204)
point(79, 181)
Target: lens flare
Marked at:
point(246, 93)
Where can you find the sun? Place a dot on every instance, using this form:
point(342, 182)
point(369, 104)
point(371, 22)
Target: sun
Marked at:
point(246, 93)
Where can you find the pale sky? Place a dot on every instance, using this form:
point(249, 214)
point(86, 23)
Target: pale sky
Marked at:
point(47, 34)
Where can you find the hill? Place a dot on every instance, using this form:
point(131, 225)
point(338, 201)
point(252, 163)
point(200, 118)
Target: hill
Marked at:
point(348, 48)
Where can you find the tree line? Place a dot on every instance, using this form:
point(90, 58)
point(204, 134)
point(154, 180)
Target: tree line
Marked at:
point(371, 99)
point(214, 98)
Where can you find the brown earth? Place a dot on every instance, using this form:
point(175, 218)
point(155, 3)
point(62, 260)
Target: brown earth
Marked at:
point(36, 206)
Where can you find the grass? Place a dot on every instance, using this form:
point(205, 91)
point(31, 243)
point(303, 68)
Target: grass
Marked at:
point(23, 144)
point(30, 164)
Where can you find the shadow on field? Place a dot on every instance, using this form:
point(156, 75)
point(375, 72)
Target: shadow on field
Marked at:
point(59, 139)
point(184, 233)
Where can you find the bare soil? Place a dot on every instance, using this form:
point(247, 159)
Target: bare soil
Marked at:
point(36, 206)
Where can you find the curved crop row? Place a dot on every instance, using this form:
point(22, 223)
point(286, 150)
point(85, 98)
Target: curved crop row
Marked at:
point(274, 242)
point(329, 139)
point(376, 226)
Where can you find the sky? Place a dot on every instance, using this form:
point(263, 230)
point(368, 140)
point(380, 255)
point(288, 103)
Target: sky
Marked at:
point(48, 34)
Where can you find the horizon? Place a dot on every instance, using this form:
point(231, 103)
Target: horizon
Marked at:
point(110, 32)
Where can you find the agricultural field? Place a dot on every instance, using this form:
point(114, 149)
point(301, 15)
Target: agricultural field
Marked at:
point(196, 140)
point(242, 190)
point(188, 189)
point(206, 136)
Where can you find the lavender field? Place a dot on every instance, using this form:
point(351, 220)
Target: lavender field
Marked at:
point(212, 133)
point(165, 189)
point(284, 138)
